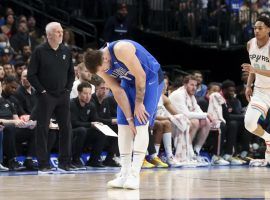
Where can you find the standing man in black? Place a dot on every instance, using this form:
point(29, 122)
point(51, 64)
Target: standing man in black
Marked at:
point(51, 73)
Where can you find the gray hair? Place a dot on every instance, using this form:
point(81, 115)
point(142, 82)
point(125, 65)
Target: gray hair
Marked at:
point(50, 26)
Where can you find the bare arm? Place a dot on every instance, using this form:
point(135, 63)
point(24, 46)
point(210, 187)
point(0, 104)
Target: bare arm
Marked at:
point(125, 52)
point(251, 77)
point(121, 98)
point(168, 105)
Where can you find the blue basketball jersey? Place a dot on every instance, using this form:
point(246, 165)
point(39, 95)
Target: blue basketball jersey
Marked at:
point(119, 71)
point(153, 87)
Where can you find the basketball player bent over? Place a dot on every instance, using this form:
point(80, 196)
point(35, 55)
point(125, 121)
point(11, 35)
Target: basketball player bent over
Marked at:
point(137, 96)
point(259, 70)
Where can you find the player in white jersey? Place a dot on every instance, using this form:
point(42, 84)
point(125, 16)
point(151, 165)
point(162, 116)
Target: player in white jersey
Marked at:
point(259, 71)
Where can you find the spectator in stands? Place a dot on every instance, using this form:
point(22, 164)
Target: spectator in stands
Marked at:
point(83, 117)
point(2, 73)
point(218, 18)
point(185, 102)
point(34, 32)
point(53, 86)
point(4, 41)
point(84, 75)
point(19, 67)
point(68, 38)
point(26, 53)
point(22, 38)
point(9, 70)
point(201, 88)
point(118, 26)
point(9, 28)
point(9, 11)
point(187, 18)
point(6, 56)
point(22, 18)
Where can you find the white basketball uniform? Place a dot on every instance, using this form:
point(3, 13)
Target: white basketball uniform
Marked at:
point(260, 59)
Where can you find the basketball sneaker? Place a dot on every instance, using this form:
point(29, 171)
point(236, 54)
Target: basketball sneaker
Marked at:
point(2, 168)
point(118, 182)
point(217, 160)
point(132, 182)
point(147, 165)
point(158, 163)
point(172, 162)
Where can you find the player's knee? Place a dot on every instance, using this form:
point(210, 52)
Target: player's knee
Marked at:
point(195, 123)
point(250, 124)
point(166, 124)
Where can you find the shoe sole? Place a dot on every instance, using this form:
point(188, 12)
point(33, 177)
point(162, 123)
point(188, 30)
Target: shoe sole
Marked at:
point(130, 188)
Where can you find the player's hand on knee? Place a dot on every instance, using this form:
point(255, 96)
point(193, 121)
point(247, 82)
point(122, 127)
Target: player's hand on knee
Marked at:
point(132, 126)
point(140, 112)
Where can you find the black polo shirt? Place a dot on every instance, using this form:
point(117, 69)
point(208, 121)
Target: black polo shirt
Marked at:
point(7, 110)
point(83, 116)
point(51, 70)
point(25, 99)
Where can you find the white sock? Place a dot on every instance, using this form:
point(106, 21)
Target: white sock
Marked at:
point(125, 143)
point(138, 158)
point(125, 164)
point(167, 141)
point(140, 147)
point(266, 136)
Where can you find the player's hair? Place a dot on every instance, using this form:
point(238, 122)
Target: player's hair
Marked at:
point(227, 83)
point(92, 59)
point(82, 85)
point(212, 84)
point(188, 78)
point(265, 20)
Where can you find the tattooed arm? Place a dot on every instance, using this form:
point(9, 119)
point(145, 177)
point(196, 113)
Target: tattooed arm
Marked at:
point(125, 52)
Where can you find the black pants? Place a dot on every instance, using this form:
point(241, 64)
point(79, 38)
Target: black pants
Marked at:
point(48, 104)
point(14, 137)
point(26, 135)
point(85, 137)
point(230, 134)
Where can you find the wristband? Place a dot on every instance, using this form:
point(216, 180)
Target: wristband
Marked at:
point(129, 119)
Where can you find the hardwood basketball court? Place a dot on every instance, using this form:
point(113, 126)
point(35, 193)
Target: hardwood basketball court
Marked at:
point(188, 183)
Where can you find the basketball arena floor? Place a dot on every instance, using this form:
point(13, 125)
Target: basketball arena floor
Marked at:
point(181, 183)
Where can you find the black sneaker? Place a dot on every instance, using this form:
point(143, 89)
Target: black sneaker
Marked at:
point(14, 165)
point(30, 164)
point(67, 167)
point(95, 164)
point(78, 164)
point(111, 163)
point(46, 170)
